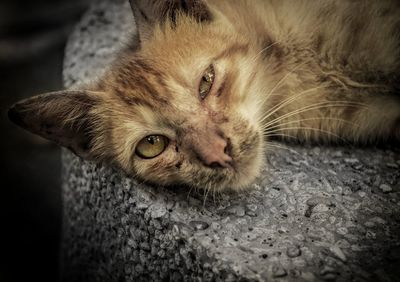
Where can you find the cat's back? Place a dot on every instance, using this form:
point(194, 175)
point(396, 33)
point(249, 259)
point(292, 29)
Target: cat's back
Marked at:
point(344, 30)
point(356, 35)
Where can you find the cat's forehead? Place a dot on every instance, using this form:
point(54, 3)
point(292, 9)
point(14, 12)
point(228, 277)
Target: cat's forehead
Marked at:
point(162, 78)
point(149, 96)
point(187, 45)
point(147, 82)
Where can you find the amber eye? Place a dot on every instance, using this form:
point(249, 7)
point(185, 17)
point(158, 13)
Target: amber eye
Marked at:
point(151, 146)
point(206, 82)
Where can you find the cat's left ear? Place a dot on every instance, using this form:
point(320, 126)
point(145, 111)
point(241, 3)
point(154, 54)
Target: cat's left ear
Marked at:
point(65, 117)
point(147, 13)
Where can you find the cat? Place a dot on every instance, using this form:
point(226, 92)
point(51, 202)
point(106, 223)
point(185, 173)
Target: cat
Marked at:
point(195, 100)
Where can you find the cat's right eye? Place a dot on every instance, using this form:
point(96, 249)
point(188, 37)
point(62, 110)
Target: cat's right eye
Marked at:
point(206, 82)
point(151, 146)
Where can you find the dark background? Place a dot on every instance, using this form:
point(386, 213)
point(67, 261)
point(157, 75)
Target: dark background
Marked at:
point(32, 40)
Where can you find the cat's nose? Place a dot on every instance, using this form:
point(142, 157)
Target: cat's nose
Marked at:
point(216, 153)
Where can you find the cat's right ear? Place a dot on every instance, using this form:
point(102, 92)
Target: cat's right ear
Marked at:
point(65, 117)
point(148, 13)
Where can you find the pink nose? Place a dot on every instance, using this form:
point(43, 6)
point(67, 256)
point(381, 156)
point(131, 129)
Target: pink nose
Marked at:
point(215, 155)
point(214, 151)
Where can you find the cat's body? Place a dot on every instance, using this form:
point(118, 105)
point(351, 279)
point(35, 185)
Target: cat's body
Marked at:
point(211, 80)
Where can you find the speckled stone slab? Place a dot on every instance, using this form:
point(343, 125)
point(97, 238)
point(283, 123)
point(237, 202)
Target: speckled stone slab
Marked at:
point(315, 214)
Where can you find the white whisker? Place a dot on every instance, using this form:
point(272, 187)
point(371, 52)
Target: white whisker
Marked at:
point(288, 101)
point(285, 77)
point(308, 119)
point(311, 107)
point(263, 50)
point(311, 129)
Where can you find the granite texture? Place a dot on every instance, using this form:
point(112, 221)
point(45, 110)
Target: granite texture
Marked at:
point(315, 214)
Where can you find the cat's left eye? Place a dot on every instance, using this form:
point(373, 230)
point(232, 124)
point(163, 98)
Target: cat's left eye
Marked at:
point(151, 146)
point(206, 82)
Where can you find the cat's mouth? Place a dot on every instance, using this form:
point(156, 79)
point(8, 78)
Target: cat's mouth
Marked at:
point(246, 154)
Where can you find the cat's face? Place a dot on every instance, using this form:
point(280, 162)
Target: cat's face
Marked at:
point(189, 91)
point(182, 108)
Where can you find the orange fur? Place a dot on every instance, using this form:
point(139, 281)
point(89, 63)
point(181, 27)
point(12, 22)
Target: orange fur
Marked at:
point(309, 70)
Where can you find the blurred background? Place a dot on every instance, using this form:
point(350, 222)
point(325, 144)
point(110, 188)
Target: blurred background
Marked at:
point(32, 40)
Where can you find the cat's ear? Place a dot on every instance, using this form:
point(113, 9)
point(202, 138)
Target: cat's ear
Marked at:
point(147, 13)
point(65, 117)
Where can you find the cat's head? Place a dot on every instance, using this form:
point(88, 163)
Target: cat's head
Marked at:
point(182, 107)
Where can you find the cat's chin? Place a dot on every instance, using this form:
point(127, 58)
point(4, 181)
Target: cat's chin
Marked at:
point(228, 180)
point(239, 178)
point(248, 159)
point(245, 177)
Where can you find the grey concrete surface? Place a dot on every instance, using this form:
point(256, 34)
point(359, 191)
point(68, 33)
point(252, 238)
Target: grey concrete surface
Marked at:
point(315, 214)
